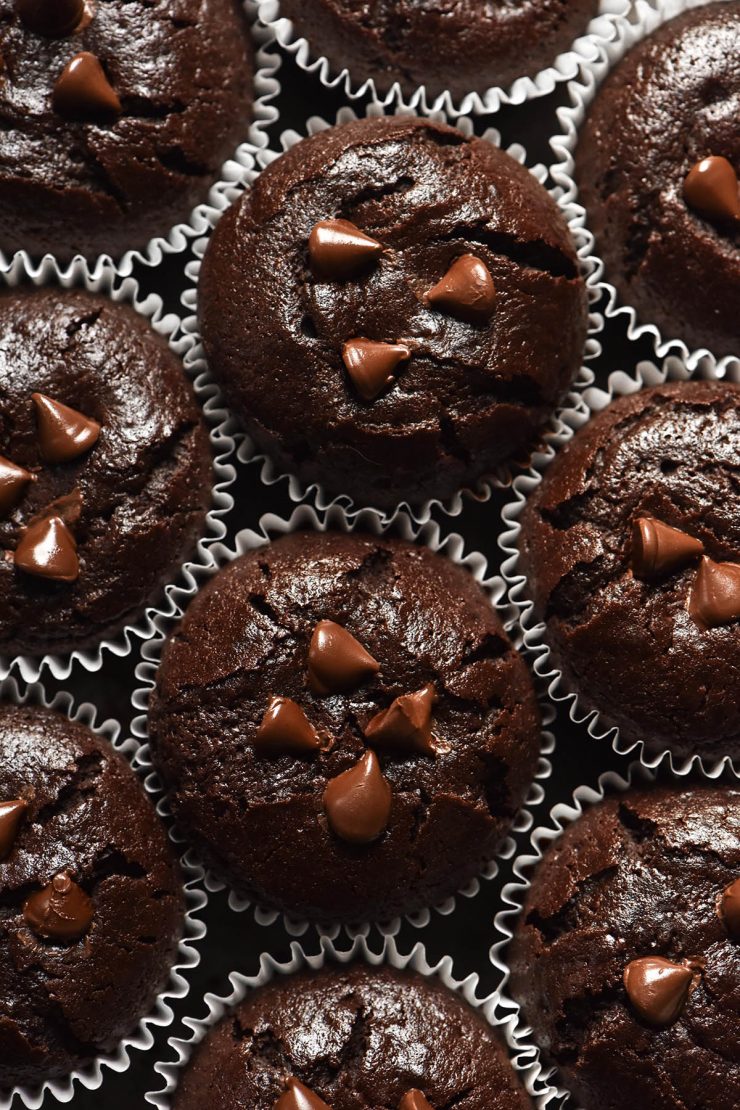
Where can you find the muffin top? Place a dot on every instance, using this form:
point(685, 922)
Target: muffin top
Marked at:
point(356, 1038)
point(626, 958)
point(456, 45)
point(117, 121)
point(392, 309)
point(344, 726)
point(671, 244)
point(105, 468)
point(91, 895)
point(631, 546)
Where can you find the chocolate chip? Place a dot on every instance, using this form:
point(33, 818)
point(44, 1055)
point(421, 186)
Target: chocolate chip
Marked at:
point(466, 291)
point(54, 19)
point(63, 433)
point(715, 594)
point(658, 548)
point(285, 729)
point(338, 250)
point(658, 988)
point(82, 90)
point(370, 365)
point(298, 1097)
point(11, 815)
point(60, 911)
point(711, 189)
point(415, 1100)
point(48, 549)
point(13, 481)
point(358, 802)
point(406, 725)
point(337, 662)
point(729, 909)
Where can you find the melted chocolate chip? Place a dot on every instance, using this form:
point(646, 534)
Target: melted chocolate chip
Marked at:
point(714, 599)
point(658, 988)
point(406, 725)
point(63, 433)
point(48, 549)
point(60, 911)
point(371, 365)
point(285, 729)
point(55, 19)
point(337, 662)
point(339, 250)
point(466, 291)
point(13, 481)
point(415, 1100)
point(82, 90)
point(729, 909)
point(358, 802)
point(11, 815)
point(711, 189)
point(657, 548)
point(298, 1097)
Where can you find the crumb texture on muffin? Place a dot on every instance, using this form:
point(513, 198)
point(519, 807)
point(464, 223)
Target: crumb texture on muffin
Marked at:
point(638, 877)
point(72, 985)
point(285, 825)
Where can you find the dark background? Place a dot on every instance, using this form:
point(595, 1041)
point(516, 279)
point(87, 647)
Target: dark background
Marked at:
point(234, 941)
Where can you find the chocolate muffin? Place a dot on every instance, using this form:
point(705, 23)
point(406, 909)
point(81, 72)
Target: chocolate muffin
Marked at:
point(105, 468)
point(91, 896)
point(631, 547)
point(626, 957)
point(656, 168)
point(352, 1038)
point(345, 729)
point(459, 45)
point(392, 309)
point(117, 118)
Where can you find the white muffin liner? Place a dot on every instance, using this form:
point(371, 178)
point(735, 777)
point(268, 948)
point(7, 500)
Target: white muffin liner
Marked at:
point(194, 929)
point(534, 633)
point(602, 29)
point(272, 527)
point(270, 472)
point(223, 191)
point(646, 19)
point(514, 896)
point(106, 281)
point(390, 955)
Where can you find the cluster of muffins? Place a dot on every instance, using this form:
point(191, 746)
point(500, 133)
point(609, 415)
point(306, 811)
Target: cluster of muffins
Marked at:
point(343, 727)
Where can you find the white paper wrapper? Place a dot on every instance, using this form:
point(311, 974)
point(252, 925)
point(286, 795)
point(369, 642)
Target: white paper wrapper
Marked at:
point(177, 239)
point(646, 18)
point(246, 450)
point(271, 527)
point(601, 29)
point(390, 955)
point(592, 401)
point(188, 956)
point(106, 281)
point(514, 895)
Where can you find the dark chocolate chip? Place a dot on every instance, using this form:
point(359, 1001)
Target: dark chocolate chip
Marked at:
point(298, 1097)
point(48, 549)
point(339, 250)
point(729, 909)
point(82, 90)
point(466, 291)
point(658, 548)
point(337, 662)
point(285, 729)
point(54, 19)
point(711, 189)
point(13, 481)
point(60, 911)
point(415, 1100)
point(658, 988)
point(406, 725)
point(11, 815)
point(715, 594)
point(358, 802)
point(371, 365)
point(63, 433)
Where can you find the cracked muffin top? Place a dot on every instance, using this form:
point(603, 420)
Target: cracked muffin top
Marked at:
point(656, 166)
point(392, 309)
point(117, 117)
point(344, 727)
point(455, 45)
point(105, 468)
point(91, 902)
point(626, 957)
point(631, 547)
point(352, 1038)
